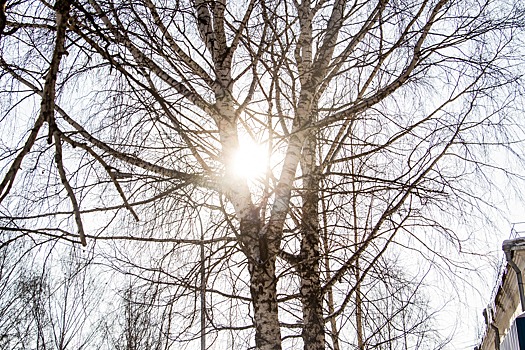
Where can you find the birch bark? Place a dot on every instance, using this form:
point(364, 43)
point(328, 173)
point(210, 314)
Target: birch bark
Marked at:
point(311, 294)
point(254, 241)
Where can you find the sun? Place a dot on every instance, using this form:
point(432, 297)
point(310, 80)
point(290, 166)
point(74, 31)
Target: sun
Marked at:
point(250, 161)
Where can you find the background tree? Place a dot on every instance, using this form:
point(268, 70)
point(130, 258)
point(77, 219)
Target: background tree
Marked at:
point(48, 300)
point(122, 131)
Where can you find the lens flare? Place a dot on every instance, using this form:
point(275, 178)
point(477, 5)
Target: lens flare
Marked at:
point(250, 161)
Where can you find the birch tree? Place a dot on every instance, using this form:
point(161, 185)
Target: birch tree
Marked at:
point(122, 125)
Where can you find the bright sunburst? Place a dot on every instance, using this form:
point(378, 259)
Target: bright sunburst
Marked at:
point(251, 160)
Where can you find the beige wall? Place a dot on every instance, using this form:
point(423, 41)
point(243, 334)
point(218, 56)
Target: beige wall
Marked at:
point(506, 304)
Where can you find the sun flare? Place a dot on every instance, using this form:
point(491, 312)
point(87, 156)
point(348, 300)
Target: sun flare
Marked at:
point(250, 161)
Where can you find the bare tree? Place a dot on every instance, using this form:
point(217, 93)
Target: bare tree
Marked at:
point(123, 123)
point(48, 298)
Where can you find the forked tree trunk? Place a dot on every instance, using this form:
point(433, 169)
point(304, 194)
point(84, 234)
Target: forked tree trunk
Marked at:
point(261, 261)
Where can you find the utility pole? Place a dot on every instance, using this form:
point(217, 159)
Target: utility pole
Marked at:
point(203, 296)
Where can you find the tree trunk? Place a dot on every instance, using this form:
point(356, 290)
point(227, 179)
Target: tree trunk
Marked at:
point(311, 295)
point(263, 291)
point(263, 282)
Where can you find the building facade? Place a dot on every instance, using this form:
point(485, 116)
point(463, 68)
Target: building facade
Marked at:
point(504, 318)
